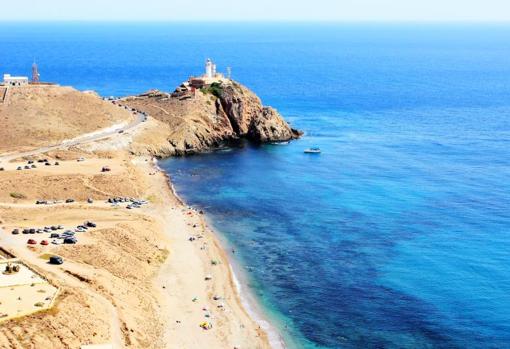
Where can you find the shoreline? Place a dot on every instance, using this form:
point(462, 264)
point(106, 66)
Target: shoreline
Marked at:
point(247, 300)
point(155, 277)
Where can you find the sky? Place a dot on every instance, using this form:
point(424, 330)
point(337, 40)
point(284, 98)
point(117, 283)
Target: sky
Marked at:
point(254, 10)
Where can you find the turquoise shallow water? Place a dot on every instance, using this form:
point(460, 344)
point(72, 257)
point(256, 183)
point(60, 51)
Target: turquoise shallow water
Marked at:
point(397, 235)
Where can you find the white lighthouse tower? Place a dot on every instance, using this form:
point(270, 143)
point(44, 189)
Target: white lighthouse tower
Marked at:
point(209, 69)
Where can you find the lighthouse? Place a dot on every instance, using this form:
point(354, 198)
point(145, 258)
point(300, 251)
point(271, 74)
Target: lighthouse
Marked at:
point(210, 68)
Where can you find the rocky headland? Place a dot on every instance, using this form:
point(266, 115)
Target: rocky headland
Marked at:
point(198, 120)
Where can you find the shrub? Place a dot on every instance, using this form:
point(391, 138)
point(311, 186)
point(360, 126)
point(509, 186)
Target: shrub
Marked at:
point(215, 89)
point(16, 195)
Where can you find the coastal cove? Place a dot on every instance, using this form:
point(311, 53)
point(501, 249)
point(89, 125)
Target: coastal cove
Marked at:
point(397, 234)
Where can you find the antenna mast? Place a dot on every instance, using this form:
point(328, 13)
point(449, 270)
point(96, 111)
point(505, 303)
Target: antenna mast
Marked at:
point(35, 73)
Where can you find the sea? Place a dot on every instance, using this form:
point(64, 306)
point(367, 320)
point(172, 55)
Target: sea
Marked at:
point(398, 234)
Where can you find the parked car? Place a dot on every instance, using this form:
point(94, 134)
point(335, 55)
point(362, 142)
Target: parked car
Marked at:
point(90, 224)
point(56, 260)
point(44, 242)
point(54, 235)
point(105, 169)
point(70, 240)
point(15, 231)
point(68, 201)
point(31, 242)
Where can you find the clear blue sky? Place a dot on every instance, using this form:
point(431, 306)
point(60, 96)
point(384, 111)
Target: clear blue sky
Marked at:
point(341, 10)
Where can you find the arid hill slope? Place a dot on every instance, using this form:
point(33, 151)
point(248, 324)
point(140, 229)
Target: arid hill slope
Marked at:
point(32, 116)
point(208, 119)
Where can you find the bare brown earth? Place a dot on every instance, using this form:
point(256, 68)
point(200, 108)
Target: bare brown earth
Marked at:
point(37, 115)
point(135, 280)
point(200, 121)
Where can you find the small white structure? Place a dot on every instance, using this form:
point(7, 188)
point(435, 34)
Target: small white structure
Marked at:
point(15, 80)
point(210, 70)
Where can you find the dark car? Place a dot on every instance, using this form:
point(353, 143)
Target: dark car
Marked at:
point(26, 231)
point(68, 201)
point(15, 231)
point(70, 240)
point(90, 224)
point(54, 235)
point(56, 260)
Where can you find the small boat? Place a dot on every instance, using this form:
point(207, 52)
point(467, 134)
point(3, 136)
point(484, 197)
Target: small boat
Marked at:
point(313, 150)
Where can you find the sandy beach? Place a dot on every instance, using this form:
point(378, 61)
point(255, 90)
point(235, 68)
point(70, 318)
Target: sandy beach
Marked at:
point(149, 277)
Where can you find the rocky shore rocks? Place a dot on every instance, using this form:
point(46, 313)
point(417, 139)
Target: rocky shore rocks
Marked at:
point(204, 119)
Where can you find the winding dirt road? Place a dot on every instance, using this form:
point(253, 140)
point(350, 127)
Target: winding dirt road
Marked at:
point(83, 139)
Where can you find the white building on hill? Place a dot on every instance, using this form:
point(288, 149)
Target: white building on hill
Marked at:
point(15, 80)
point(210, 69)
point(211, 76)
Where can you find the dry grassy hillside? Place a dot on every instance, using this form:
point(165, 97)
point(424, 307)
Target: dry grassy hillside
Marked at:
point(40, 115)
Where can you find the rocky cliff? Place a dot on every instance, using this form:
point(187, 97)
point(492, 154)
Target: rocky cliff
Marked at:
point(211, 117)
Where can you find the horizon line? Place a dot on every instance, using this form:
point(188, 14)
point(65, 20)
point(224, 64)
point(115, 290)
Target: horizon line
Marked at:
point(304, 21)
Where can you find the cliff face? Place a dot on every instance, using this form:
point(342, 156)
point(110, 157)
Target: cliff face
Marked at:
point(212, 117)
point(250, 119)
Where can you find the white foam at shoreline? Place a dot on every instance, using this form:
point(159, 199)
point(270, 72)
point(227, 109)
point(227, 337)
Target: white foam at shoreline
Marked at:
point(273, 336)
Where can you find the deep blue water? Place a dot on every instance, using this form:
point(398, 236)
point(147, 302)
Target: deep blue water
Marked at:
point(398, 234)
